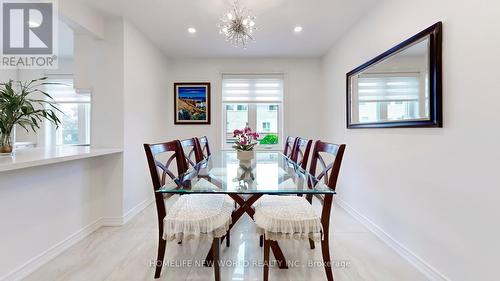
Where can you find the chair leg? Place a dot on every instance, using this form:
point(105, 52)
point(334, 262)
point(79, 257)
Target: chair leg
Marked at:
point(209, 259)
point(267, 248)
point(161, 255)
point(215, 253)
point(311, 244)
point(261, 241)
point(325, 249)
point(228, 238)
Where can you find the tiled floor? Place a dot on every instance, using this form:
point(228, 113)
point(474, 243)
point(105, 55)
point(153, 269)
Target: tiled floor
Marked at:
point(125, 253)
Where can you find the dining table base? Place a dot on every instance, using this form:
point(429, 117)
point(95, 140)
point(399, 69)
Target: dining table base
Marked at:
point(245, 206)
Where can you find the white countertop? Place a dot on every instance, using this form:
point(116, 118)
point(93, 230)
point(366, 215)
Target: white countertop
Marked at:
point(31, 157)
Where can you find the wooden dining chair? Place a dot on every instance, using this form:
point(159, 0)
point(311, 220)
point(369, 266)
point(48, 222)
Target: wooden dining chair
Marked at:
point(204, 151)
point(204, 146)
point(297, 149)
point(192, 151)
point(289, 145)
point(183, 220)
point(300, 152)
point(277, 217)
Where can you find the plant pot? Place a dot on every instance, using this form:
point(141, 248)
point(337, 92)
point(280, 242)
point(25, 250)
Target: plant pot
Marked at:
point(7, 144)
point(245, 155)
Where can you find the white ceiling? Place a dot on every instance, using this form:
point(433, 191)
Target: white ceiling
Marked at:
point(165, 22)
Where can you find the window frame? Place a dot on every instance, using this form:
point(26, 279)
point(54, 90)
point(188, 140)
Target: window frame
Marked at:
point(252, 122)
point(51, 134)
point(54, 132)
point(252, 113)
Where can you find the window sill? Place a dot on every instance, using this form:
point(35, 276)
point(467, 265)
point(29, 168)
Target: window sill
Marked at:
point(32, 157)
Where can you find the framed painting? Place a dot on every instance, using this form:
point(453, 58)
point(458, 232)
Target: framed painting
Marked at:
point(192, 103)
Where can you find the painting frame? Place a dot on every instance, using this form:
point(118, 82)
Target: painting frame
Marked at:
point(193, 95)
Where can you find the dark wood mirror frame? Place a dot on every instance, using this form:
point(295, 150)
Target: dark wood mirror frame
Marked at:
point(435, 82)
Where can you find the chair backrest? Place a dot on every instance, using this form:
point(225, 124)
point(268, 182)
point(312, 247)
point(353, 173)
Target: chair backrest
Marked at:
point(300, 152)
point(289, 145)
point(192, 151)
point(329, 172)
point(156, 167)
point(204, 146)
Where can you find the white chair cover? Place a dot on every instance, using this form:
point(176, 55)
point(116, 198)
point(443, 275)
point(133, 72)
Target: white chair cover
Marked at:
point(287, 217)
point(198, 216)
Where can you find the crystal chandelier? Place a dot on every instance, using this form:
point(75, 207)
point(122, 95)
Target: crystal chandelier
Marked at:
point(237, 25)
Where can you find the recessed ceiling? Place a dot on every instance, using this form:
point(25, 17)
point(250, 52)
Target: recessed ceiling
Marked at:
point(165, 22)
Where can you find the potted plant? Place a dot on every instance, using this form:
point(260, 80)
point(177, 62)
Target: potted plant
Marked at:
point(26, 105)
point(245, 143)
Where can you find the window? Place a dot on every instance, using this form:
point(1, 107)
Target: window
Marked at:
point(389, 97)
point(256, 101)
point(235, 119)
point(266, 126)
point(75, 115)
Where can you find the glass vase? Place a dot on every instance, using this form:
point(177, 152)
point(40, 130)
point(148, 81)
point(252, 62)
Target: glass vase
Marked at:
point(7, 143)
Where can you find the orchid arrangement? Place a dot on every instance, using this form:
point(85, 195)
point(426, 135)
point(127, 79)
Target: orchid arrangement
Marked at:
point(246, 139)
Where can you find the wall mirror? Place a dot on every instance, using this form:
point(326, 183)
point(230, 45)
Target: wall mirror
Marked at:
point(399, 88)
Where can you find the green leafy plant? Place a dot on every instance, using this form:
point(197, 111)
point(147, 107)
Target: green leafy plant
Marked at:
point(269, 139)
point(19, 105)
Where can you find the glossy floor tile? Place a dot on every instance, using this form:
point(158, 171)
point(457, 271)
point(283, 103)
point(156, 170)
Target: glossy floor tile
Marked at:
point(127, 252)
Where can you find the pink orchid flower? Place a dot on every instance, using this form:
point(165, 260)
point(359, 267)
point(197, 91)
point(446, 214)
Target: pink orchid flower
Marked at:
point(237, 133)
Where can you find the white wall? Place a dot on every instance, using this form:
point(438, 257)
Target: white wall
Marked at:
point(145, 105)
point(49, 206)
point(99, 66)
point(82, 18)
point(6, 74)
point(434, 190)
point(129, 86)
point(302, 85)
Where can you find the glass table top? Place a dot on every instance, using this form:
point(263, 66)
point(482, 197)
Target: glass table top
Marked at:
point(269, 172)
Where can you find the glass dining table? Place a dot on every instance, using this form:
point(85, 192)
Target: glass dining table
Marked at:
point(245, 181)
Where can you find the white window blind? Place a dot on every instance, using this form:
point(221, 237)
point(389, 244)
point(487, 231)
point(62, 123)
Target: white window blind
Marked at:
point(380, 88)
point(389, 96)
point(252, 88)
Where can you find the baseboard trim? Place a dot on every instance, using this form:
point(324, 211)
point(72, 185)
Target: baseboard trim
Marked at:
point(36, 262)
point(112, 221)
point(426, 269)
point(129, 215)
